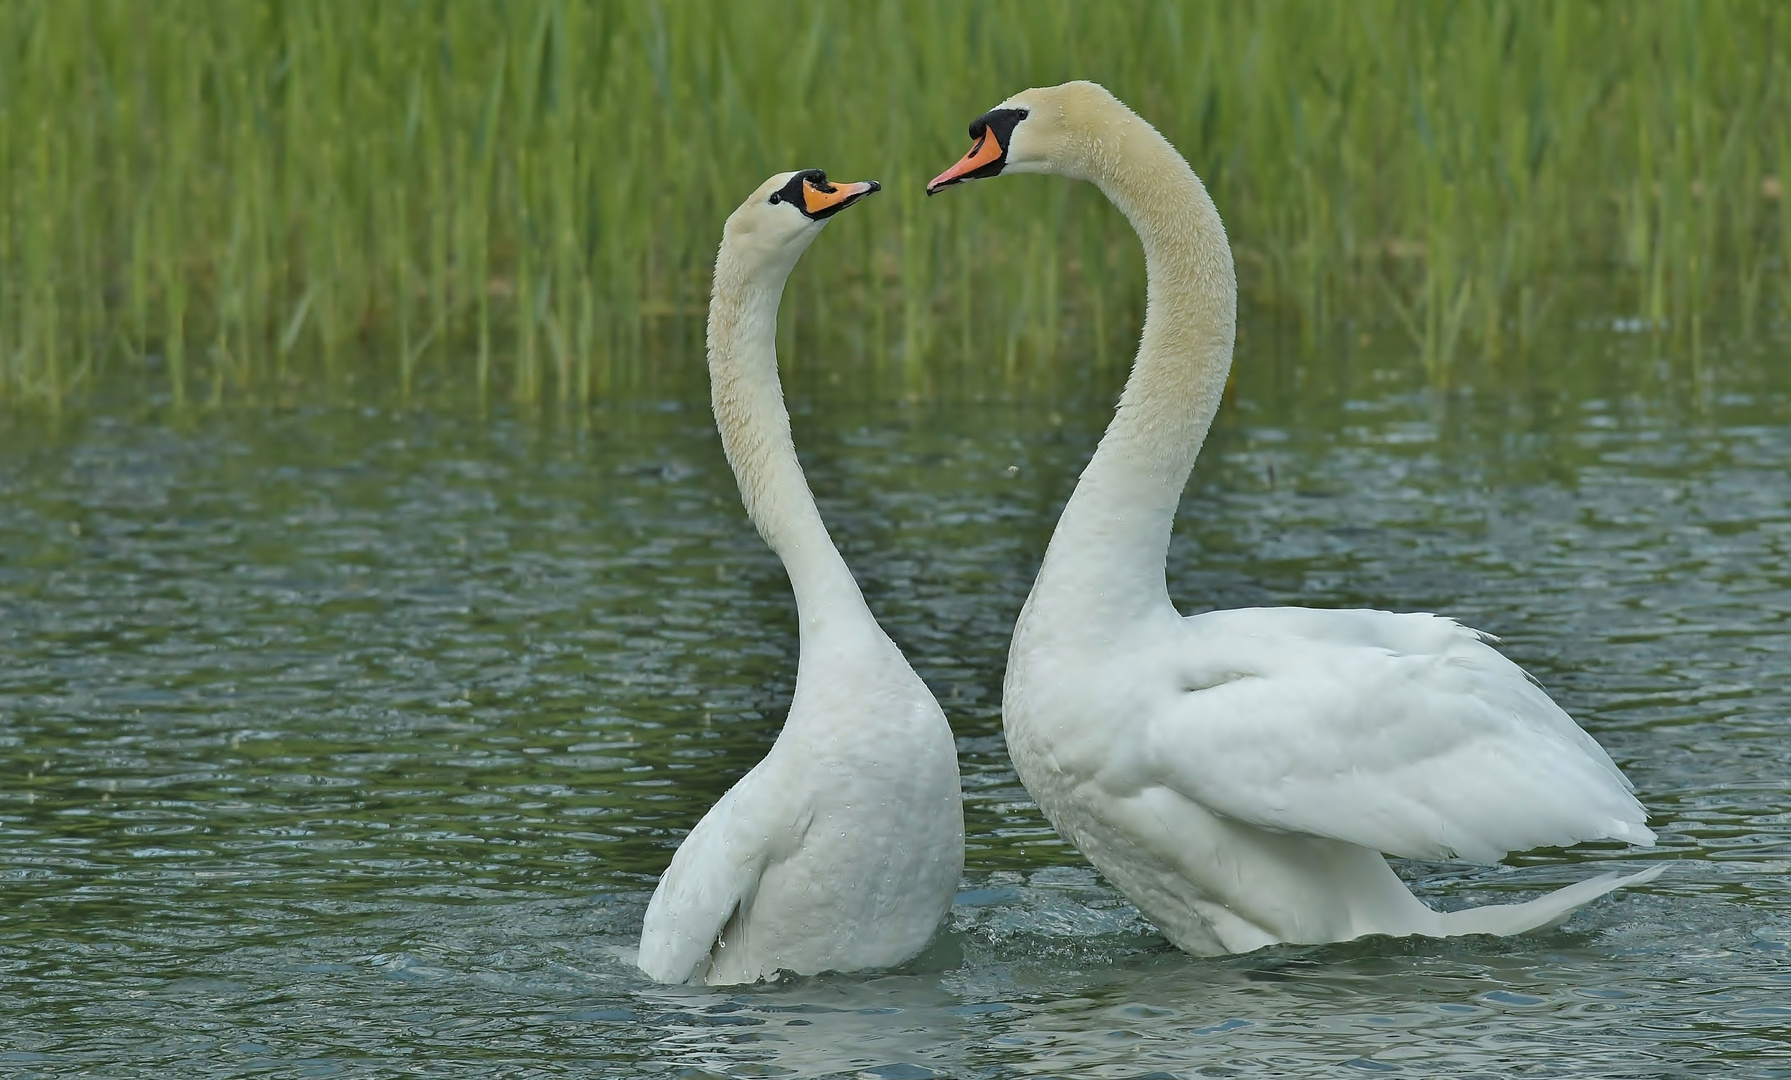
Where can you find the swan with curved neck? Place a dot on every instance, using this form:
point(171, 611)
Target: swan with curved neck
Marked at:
point(1239, 774)
point(842, 849)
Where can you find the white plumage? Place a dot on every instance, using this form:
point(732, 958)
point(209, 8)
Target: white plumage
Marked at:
point(842, 849)
point(1239, 774)
point(1408, 734)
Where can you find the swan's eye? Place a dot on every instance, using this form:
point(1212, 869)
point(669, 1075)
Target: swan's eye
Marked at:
point(794, 189)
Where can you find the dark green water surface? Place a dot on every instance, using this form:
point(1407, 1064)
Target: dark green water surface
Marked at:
point(349, 742)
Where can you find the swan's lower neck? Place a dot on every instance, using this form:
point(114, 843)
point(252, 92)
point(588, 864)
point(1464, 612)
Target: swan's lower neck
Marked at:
point(755, 432)
point(1107, 558)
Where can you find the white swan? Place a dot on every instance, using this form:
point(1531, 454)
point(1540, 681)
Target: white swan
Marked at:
point(842, 849)
point(1238, 774)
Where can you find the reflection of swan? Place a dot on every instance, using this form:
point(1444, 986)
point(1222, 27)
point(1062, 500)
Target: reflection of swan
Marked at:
point(1238, 774)
point(842, 849)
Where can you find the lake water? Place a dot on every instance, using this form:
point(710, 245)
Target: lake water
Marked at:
point(349, 742)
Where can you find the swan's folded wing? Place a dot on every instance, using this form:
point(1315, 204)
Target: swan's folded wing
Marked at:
point(1408, 734)
point(714, 873)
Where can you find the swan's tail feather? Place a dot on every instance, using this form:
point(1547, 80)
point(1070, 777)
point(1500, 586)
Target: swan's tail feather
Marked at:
point(1542, 912)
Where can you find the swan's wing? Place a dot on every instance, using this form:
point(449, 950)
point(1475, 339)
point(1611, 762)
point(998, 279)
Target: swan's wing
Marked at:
point(716, 871)
point(1408, 734)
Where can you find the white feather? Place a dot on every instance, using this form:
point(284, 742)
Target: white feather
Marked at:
point(1407, 734)
point(1239, 774)
point(842, 849)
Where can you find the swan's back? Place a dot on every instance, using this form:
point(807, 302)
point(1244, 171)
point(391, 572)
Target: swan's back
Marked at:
point(841, 850)
point(1405, 733)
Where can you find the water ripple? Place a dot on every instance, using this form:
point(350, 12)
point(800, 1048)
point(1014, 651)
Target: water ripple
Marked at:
point(350, 742)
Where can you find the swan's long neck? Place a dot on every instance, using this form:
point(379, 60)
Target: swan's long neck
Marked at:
point(1106, 559)
point(755, 432)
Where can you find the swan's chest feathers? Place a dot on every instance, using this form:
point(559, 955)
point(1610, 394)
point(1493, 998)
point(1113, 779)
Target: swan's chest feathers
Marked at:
point(1075, 737)
point(1074, 714)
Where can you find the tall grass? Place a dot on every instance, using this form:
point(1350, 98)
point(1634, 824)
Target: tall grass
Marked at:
point(207, 196)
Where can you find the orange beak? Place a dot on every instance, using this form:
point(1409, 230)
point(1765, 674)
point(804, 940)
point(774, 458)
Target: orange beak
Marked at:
point(985, 151)
point(836, 197)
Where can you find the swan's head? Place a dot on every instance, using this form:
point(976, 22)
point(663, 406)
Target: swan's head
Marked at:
point(779, 220)
point(1043, 130)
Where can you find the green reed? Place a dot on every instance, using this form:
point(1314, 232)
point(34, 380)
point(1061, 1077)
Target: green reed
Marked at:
point(209, 197)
